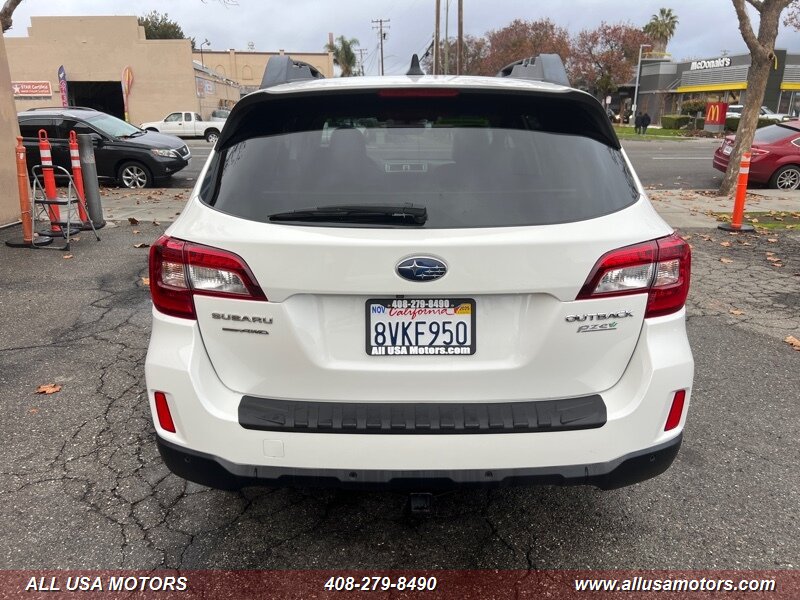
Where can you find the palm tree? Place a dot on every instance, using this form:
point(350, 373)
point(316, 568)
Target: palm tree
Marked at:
point(344, 55)
point(661, 28)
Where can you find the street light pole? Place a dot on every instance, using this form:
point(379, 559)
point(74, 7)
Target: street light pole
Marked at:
point(638, 73)
point(202, 60)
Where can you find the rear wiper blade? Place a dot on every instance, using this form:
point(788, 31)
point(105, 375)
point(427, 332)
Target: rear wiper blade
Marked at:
point(358, 213)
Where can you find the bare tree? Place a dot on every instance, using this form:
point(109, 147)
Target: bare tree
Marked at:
point(762, 57)
point(9, 6)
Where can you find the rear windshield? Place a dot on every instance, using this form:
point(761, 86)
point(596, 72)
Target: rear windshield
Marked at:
point(773, 133)
point(470, 161)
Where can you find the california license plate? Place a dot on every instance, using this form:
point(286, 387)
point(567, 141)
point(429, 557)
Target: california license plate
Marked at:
point(727, 149)
point(420, 327)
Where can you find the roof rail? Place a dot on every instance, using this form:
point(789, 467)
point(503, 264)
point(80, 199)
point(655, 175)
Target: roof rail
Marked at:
point(282, 69)
point(545, 67)
point(60, 108)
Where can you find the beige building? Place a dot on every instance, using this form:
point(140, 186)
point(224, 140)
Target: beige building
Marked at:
point(94, 52)
point(9, 130)
point(248, 67)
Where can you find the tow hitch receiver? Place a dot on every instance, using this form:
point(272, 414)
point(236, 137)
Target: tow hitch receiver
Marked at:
point(420, 503)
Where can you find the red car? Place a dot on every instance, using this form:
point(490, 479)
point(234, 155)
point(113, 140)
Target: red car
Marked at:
point(775, 155)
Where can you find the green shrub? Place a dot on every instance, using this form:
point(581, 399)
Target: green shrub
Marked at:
point(692, 107)
point(732, 123)
point(674, 121)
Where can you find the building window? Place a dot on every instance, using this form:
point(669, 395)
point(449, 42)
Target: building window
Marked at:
point(247, 73)
point(220, 70)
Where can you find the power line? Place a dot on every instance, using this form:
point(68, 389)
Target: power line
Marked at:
point(380, 25)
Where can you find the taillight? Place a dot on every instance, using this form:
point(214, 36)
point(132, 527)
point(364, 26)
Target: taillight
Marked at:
point(659, 267)
point(179, 270)
point(754, 152)
point(676, 410)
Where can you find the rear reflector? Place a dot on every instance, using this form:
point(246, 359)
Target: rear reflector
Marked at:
point(675, 411)
point(162, 411)
point(181, 270)
point(661, 268)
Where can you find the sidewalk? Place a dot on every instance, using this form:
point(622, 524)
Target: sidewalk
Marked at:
point(690, 208)
point(680, 208)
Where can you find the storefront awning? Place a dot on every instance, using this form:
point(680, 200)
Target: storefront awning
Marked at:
point(790, 85)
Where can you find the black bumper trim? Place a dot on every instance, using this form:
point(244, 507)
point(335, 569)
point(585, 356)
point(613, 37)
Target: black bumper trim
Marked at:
point(392, 418)
point(218, 473)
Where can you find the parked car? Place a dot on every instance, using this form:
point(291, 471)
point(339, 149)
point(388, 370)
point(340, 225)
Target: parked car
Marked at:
point(220, 115)
point(735, 111)
point(132, 157)
point(186, 125)
point(775, 159)
point(454, 303)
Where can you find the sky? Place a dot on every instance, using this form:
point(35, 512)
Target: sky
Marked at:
point(706, 27)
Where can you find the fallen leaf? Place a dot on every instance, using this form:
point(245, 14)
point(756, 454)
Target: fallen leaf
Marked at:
point(133, 221)
point(777, 264)
point(773, 259)
point(772, 240)
point(75, 238)
point(726, 244)
point(793, 342)
point(726, 261)
point(33, 411)
point(736, 311)
point(754, 220)
point(770, 254)
point(67, 256)
point(48, 388)
point(141, 245)
point(136, 232)
point(156, 223)
point(146, 281)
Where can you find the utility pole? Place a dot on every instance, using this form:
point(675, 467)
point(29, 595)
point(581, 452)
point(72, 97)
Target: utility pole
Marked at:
point(361, 52)
point(436, 38)
point(446, 37)
point(381, 35)
point(460, 41)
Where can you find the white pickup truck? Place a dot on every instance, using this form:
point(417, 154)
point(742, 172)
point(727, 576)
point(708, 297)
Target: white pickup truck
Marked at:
point(186, 125)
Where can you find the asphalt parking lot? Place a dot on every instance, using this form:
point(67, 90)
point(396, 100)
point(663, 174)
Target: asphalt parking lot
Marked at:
point(82, 486)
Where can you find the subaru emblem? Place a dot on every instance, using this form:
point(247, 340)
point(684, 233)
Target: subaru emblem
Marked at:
point(421, 268)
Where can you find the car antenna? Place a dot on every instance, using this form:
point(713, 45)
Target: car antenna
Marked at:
point(415, 69)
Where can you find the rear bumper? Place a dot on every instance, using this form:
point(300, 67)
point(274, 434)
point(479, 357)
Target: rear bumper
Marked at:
point(218, 473)
point(217, 445)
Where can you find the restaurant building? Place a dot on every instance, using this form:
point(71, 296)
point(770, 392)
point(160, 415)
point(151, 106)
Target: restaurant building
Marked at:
point(664, 85)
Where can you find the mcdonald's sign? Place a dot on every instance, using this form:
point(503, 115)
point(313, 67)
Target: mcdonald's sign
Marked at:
point(715, 113)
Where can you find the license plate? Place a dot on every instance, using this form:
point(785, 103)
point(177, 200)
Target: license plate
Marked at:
point(727, 150)
point(420, 326)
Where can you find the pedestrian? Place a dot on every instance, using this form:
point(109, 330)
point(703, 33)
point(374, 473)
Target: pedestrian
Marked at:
point(637, 122)
point(645, 123)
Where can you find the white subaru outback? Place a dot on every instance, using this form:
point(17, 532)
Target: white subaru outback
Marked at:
point(419, 282)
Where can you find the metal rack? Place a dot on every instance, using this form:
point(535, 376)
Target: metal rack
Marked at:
point(70, 221)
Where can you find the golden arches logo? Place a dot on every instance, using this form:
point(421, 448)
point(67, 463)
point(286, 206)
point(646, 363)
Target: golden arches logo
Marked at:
point(712, 113)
